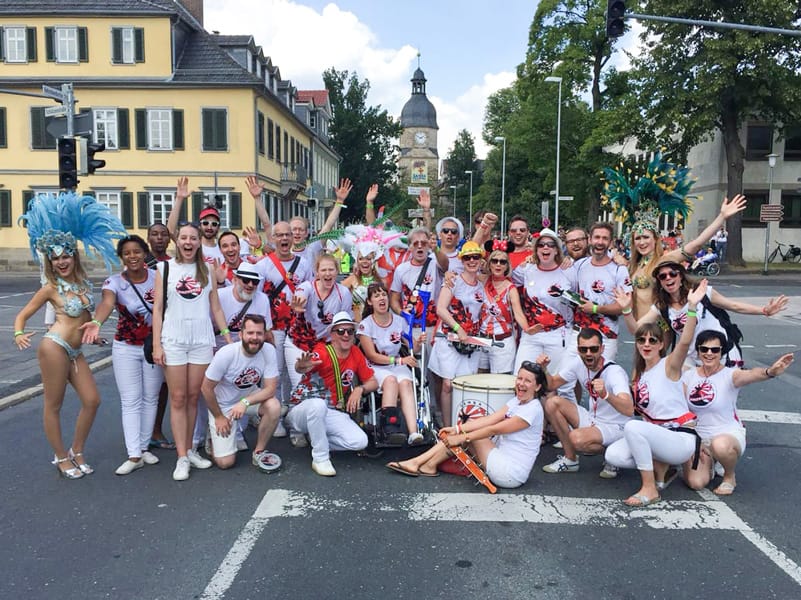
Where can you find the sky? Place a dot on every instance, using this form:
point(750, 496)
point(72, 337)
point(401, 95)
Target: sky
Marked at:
point(469, 48)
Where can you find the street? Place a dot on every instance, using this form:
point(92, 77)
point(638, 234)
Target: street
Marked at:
point(369, 532)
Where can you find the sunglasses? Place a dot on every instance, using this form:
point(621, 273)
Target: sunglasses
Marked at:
point(210, 223)
point(249, 281)
point(647, 340)
point(453, 231)
point(667, 275)
point(419, 243)
point(588, 349)
point(521, 230)
point(320, 312)
point(344, 331)
point(194, 224)
point(499, 261)
point(546, 245)
point(472, 257)
point(710, 349)
point(531, 366)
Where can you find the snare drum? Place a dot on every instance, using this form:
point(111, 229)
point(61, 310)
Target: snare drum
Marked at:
point(480, 395)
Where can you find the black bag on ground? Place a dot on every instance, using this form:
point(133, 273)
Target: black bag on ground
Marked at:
point(392, 425)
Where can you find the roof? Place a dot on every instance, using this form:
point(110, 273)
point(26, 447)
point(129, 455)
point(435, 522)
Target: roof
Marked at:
point(419, 112)
point(202, 60)
point(319, 97)
point(99, 7)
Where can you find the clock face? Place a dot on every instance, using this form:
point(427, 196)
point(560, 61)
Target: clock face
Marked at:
point(420, 138)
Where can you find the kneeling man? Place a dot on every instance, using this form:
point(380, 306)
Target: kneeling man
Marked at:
point(239, 382)
point(610, 404)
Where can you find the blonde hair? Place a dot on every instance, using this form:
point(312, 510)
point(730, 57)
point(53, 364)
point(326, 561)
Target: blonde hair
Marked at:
point(501, 254)
point(78, 271)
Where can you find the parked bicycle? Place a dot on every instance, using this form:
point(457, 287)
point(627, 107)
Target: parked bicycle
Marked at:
point(792, 254)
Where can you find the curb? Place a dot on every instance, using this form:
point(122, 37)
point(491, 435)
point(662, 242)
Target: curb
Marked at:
point(33, 391)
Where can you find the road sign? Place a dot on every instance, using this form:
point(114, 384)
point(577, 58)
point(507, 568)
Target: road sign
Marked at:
point(415, 191)
point(82, 125)
point(55, 111)
point(418, 213)
point(771, 212)
point(544, 207)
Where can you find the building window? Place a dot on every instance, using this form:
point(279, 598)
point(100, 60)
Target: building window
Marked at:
point(5, 208)
point(112, 201)
point(791, 201)
point(312, 121)
point(40, 137)
point(159, 129)
point(106, 127)
point(792, 143)
point(3, 129)
point(756, 198)
point(127, 45)
point(215, 129)
point(66, 44)
point(260, 132)
point(277, 144)
point(160, 206)
point(759, 142)
point(221, 201)
point(15, 44)
point(270, 139)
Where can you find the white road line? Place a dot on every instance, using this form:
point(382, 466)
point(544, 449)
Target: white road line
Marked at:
point(471, 507)
point(770, 416)
point(781, 346)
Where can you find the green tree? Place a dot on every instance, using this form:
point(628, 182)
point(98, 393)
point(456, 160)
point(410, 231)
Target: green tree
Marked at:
point(694, 81)
point(461, 158)
point(366, 137)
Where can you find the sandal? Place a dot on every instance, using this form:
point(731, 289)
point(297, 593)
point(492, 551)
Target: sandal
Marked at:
point(71, 473)
point(641, 501)
point(161, 444)
point(84, 467)
point(724, 489)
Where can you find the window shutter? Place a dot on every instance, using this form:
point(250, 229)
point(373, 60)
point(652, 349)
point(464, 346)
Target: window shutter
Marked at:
point(177, 129)
point(182, 214)
point(123, 129)
point(83, 45)
point(221, 122)
point(116, 45)
point(27, 196)
point(139, 44)
point(207, 125)
point(50, 43)
point(39, 136)
point(2, 45)
point(3, 129)
point(126, 209)
point(5, 208)
point(30, 38)
point(140, 114)
point(260, 133)
point(235, 210)
point(197, 205)
point(143, 207)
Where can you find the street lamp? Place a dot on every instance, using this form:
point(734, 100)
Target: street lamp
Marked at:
point(453, 187)
point(470, 205)
point(558, 144)
point(771, 163)
point(501, 138)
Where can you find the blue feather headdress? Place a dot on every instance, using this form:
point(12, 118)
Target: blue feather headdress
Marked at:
point(56, 223)
point(662, 190)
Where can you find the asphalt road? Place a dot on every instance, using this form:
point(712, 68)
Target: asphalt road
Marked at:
point(370, 533)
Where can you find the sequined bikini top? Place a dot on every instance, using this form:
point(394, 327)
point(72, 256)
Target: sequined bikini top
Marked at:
point(72, 294)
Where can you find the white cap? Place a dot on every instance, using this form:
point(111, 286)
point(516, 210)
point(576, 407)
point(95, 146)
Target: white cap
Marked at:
point(247, 271)
point(546, 232)
point(342, 318)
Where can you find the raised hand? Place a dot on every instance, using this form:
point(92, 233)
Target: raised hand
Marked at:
point(254, 187)
point(252, 236)
point(372, 193)
point(298, 304)
point(622, 297)
point(733, 206)
point(342, 192)
point(424, 199)
point(220, 271)
point(695, 296)
point(775, 305)
point(182, 187)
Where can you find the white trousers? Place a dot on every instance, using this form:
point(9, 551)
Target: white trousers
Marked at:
point(138, 383)
point(551, 343)
point(291, 354)
point(284, 388)
point(643, 442)
point(328, 429)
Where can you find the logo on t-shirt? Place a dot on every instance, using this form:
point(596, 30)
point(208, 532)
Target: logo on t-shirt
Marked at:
point(149, 296)
point(554, 291)
point(678, 323)
point(395, 337)
point(347, 378)
point(247, 378)
point(479, 297)
point(598, 286)
point(427, 279)
point(702, 394)
point(188, 287)
point(643, 397)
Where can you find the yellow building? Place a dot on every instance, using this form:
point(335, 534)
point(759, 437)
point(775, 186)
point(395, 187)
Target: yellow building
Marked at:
point(166, 97)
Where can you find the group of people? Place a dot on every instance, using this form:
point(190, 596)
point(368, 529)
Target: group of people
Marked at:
point(266, 328)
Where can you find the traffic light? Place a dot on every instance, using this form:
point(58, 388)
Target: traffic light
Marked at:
point(67, 164)
point(615, 25)
point(92, 163)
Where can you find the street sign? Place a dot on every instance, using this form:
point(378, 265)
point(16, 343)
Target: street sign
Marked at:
point(415, 191)
point(418, 213)
point(544, 209)
point(770, 213)
point(82, 124)
point(55, 111)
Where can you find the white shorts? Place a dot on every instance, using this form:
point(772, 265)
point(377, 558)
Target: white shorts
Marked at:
point(610, 432)
point(226, 446)
point(449, 364)
point(499, 470)
point(399, 372)
point(176, 355)
point(738, 433)
point(499, 360)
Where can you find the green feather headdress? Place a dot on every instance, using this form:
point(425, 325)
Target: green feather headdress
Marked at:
point(664, 189)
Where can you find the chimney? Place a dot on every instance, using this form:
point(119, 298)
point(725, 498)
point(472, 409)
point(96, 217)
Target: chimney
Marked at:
point(195, 7)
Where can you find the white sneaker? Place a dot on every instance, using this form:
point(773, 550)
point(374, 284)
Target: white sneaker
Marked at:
point(608, 472)
point(415, 439)
point(129, 466)
point(562, 465)
point(181, 472)
point(298, 439)
point(149, 458)
point(324, 468)
point(557, 445)
point(197, 461)
point(280, 430)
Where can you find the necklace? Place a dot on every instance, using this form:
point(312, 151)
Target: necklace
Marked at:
point(82, 289)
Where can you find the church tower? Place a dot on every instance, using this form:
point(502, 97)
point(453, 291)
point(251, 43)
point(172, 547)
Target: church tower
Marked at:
point(419, 157)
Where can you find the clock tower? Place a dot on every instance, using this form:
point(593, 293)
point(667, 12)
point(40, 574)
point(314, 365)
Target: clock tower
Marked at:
point(419, 158)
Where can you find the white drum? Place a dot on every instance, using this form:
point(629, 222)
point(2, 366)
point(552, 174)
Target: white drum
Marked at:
point(480, 395)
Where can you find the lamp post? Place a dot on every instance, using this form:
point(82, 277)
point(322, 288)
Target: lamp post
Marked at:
point(501, 138)
point(771, 163)
point(470, 204)
point(557, 80)
point(453, 187)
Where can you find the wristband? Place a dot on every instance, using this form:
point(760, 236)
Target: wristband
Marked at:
point(96, 322)
point(605, 398)
point(391, 361)
point(225, 331)
point(768, 374)
point(16, 333)
point(458, 428)
point(244, 401)
point(625, 311)
point(595, 309)
point(692, 313)
point(456, 327)
point(370, 205)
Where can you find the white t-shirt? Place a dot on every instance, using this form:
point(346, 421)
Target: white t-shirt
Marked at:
point(706, 321)
point(134, 323)
point(280, 311)
point(714, 400)
point(404, 280)
point(240, 374)
point(658, 396)
point(542, 294)
point(597, 284)
point(231, 308)
point(310, 252)
point(615, 381)
point(522, 447)
point(387, 340)
point(312, 325)
point(212, 253)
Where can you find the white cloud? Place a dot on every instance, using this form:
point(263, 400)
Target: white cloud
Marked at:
point(303, 43)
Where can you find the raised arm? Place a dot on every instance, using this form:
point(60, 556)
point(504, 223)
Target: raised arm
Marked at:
point(181, 194)
point(255, 188)
point(773, 306)
point(345, 186)
point(369, 204)
point(727, 209)
point(424, 202)
point(483, 231)
point(623, 298)
point(675, 359)
point(741, 377)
